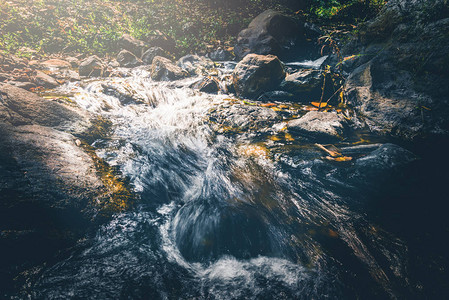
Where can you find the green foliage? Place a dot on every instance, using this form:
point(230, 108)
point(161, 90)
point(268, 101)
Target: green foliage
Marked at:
point(94, 26)
point(346, 10)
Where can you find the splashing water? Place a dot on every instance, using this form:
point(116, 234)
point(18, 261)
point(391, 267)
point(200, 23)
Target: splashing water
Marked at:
point(222, 214)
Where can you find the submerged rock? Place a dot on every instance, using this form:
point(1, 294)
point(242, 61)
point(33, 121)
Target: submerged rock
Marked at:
point(316, 124)
point(163, 69)
point(257, 74)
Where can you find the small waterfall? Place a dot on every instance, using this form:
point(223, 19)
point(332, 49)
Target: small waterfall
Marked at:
point(224, 212)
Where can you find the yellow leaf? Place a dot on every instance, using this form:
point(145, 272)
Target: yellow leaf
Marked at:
point(268, 104)
point(289, 137)
point(340, 158)
point(319, 105)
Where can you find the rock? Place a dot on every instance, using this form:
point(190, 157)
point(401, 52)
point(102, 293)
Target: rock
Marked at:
point(5, 77)
point(10, 62)
point(92, 67)
point(42, 79)
point(163, 69)
point(257, 74)
point(220, 55)
point(304, 83)
point(386, 100)
point(20, 107)
point(271, 32)
point(399, 80)
point(128, 60)
point(133, 45)
point(208, 85)
point(276, 96)
point(196, 65)
point(242, 118)
point(124, 95)
point(320, 125)
point(151, 53)
point(23, 85)
point(52, 64)
point(48, 184)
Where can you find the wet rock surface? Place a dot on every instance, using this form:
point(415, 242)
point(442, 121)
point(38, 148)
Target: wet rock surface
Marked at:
point(319, 125)
point(404, 53)
point(47, 181)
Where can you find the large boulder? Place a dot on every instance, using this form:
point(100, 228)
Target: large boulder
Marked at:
point(398, 81)
point(271, 32)
point(52, 185)
point(47, 181)
point(163, 69)
point(128, 60)
point(256, 74)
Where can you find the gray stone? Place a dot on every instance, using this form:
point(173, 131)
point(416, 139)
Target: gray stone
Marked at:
point(257, 74)
point(271, 32)
point(163, 69)
point(128, 60)
point(316, 124)
point(306, 81)
point(92, 66)
point(42, 79)
point(398, 83)
point(151, 53)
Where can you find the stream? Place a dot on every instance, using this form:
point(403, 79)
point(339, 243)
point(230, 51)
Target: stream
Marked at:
point(230, 205)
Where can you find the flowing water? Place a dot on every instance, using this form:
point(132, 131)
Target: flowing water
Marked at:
point(229, 206)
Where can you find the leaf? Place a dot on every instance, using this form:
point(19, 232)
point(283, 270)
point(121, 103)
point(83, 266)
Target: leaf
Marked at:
point(339, 159)
point(319, 105)
point(248, 103)
point(268, 104)
point(289, 137)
